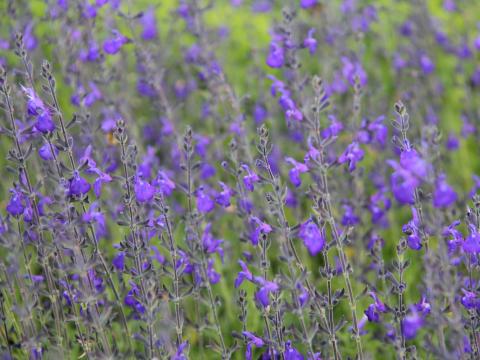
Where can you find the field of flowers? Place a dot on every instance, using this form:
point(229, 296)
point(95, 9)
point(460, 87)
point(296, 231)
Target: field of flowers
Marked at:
point(239, 179)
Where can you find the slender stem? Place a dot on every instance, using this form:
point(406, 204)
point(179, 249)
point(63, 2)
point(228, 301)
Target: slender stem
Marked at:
point(5, 328)
point(289, 247)
point(264, 265)
point(84, 210)
point(138, 246)
point(176, 279)
point(106, 344)
point(331, 321)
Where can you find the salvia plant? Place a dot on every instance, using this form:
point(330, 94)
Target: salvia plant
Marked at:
point(244, 179)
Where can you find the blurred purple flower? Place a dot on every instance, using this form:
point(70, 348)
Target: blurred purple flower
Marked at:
point(313, 238)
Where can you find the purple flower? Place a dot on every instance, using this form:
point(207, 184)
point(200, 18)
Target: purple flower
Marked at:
point(91, 54)
point(266, 287)
point(157, 256)
point(470, 300)
point(374, 309)
point(411, 324)
point(35, 107)
point(113, 44)
point(179, 355)
point(449, 5)
point(471, 245)
point(380, 130)
point(276, 56)
point(223, 197)
point(46, 153)
point(411, 229)
point(119, 261)
point(303, 296)
point(45, 123)
point(291, 353)
point(251, 340)
point(352, 154)
point(29, 37)
point(349, 217)
point(210, 244)
point(260, 113)
point(378, 206)
point(93, 96)
point(456, 237)
point(426, 64)
point(16, 204)
point(305, 4)
point(313, 238)
point(205, 202)
point(297, 169)
point(164, 184)
point(212, 275)
point(352, 70)
point(131, 298)
point(243, 274)
point(333, 129)
point(452, 142)
point(144, 192)
point(476, 43)
point(423, 306)
point(408, 175)
point(310, 42)
point(443, 195)
point(250, 179)
point(149, 24)
point(260, 228)
point(78, 185)
point(97, 217)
